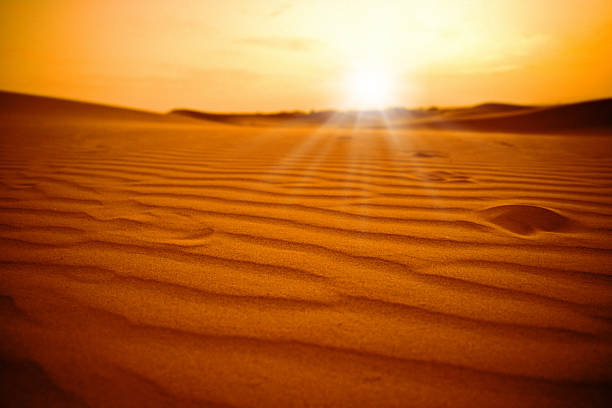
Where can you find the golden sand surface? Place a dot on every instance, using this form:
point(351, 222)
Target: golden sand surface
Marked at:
point(168, 262)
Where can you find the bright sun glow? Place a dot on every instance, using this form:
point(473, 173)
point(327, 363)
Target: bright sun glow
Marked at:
point(369, 89)
point(275, 55)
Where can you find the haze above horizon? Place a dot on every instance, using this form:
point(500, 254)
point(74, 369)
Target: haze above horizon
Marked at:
point(283, 55)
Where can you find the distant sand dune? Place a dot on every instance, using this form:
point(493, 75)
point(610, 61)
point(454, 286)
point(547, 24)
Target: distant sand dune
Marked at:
point(160, 261)
point(16, 108)
point(486, 109)
point(586, 115)
point(488, 117)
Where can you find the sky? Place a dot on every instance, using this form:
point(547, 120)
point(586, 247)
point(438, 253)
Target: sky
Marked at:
point(270, 55)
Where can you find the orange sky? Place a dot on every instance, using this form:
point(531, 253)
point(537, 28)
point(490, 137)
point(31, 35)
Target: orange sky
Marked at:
point(266, 55)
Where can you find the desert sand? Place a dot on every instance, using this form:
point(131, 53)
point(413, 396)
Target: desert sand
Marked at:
point(152, 260)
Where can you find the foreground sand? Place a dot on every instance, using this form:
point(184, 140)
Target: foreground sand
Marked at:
point(160, 263)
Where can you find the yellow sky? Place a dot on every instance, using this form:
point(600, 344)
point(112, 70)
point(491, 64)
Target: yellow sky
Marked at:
point(266, 55)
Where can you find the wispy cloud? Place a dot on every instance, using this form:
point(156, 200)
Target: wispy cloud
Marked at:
point(282, 43)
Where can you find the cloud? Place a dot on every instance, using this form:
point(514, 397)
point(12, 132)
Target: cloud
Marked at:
point(284, 44)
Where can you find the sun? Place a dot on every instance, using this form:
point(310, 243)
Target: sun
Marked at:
point(369, 89)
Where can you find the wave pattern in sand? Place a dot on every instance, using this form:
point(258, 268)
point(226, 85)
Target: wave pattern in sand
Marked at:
point(209, 265)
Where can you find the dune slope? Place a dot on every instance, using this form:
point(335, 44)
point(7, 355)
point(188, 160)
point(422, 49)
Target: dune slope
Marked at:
point(23, 109)
point(182, 264)
point(591, 115)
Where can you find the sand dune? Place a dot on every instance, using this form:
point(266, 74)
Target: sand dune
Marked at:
point(153, 260)
point(488, 117)
point(592, 115)
point(20, 109)
point(486, 108)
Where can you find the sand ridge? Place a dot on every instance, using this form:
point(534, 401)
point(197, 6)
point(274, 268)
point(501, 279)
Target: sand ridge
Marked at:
point(164, 262)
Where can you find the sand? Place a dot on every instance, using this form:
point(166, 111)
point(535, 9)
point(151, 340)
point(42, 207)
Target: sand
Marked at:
point(159, 261)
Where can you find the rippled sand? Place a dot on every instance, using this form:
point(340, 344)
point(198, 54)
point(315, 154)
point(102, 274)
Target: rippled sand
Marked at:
point(152, 261)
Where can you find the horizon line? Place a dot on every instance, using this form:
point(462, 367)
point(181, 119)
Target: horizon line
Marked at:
point(294, 111)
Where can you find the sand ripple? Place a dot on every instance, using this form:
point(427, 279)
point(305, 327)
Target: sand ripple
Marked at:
point(154, 263)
